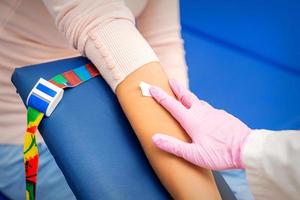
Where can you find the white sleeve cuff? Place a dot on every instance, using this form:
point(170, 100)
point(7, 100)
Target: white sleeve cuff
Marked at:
point(118, 49)
point(252, 155)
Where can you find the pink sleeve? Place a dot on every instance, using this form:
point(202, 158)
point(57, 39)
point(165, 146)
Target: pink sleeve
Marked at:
point(159, 23)
point(105, 32)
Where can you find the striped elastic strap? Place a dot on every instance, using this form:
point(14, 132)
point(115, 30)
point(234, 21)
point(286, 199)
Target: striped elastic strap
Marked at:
point(36, 112)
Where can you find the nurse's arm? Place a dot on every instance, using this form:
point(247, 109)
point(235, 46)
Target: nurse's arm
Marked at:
point(272, 161)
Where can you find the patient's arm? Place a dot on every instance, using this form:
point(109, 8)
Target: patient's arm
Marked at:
point(181, 179)
point(105, 32)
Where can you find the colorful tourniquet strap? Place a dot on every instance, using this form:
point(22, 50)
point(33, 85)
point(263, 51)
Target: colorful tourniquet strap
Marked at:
point(67, 79)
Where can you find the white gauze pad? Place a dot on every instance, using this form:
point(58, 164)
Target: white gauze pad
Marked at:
point(145, 89)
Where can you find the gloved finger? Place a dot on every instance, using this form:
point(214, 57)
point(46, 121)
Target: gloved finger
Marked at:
point(175, 108)
point(172, 145)
point(186, 97)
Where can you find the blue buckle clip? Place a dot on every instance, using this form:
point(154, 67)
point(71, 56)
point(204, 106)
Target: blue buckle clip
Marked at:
point(44, 96)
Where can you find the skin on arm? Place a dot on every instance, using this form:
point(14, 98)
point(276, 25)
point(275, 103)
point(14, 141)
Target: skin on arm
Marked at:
point(182, 179)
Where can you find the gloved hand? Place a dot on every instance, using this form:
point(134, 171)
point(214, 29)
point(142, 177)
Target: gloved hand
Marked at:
point(218, 137)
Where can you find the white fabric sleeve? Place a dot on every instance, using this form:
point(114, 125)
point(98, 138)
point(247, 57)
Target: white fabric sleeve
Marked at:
point(159, 23)
point(272, 160)
point(105, 32)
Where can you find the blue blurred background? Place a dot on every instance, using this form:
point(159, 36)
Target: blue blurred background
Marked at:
point(244, 57)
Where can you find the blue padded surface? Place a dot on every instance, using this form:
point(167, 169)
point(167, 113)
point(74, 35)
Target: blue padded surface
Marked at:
point(98, 153)
point(2, 197)
point(266, 30)
point(103, 164)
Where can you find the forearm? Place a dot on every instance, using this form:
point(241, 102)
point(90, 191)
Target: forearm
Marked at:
point(181, 179)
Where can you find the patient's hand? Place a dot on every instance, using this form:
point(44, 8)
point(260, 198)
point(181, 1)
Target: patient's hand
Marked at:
point(218, 137)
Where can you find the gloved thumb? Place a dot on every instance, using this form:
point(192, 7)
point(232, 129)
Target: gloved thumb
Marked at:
point(172, 145)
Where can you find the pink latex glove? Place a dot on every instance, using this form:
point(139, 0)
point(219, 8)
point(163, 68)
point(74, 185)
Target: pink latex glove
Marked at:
point(218, 137)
